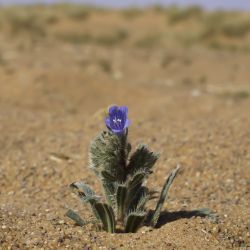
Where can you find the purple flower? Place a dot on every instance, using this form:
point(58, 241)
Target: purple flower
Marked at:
point(117, 121)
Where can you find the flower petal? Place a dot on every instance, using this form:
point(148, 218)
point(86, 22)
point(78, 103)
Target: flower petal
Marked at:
point(107, 122)
point(124, 109)
point(113, 109)
point(117, 131)
point(127, 123)
point(117, 120)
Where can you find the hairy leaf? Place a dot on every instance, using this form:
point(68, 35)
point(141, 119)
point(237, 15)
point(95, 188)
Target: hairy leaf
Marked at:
point(85, 193)
point(109, 186)
point(109, 177)
point(163, 196)
point(106, 215)
point(142, 201)
point(109, 191)
point(142, 158)
point(128, 149)
point(121, 195)
point(75, 217)
point(135, 190)
point(134, 221)
point(137, 179)
point(135, 198)
point(107, 153)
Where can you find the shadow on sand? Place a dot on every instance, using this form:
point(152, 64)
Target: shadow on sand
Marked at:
point(167, 217)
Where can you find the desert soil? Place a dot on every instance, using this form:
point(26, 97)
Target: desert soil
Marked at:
point(191, 104)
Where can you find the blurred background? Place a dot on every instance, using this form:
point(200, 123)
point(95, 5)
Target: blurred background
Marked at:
point(241, 4)
point(59, 56)
point(176, 43)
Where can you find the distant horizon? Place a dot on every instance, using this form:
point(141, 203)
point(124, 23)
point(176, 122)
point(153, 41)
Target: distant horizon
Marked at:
point(210, 5)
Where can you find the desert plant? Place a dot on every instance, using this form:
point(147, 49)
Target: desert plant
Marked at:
point(117, 37)
point(176, 14)
point(79, 13)
point(87, 38)
point(122, 176)
point(105, 65)
point(149, 41)
point(235, 28)
point(75, 38)
point(22, 22)
point(223, 23)
point(132, 12)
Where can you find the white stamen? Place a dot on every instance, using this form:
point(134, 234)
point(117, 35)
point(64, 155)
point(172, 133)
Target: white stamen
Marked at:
point(117, 120)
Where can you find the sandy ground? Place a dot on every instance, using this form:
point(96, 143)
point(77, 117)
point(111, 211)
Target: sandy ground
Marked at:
point(194, 111)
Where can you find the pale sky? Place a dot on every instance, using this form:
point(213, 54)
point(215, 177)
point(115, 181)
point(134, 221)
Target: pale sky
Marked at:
point(209, 4)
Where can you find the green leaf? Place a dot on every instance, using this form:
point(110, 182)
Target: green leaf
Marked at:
point(109, 186)
point(75, 217)
point(163, 196)
point(134, 201)
point(109, 191)
point(137, 179)
point(108, 153)
point(128, 149)
point(142, 201)
point(134, 220)
point(109, 177)
point(135, 188)
point(106, 215)
point(142, 158)
point(121, 195)
point(85, 193)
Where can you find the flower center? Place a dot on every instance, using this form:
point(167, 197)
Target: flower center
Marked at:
point(117, 120)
